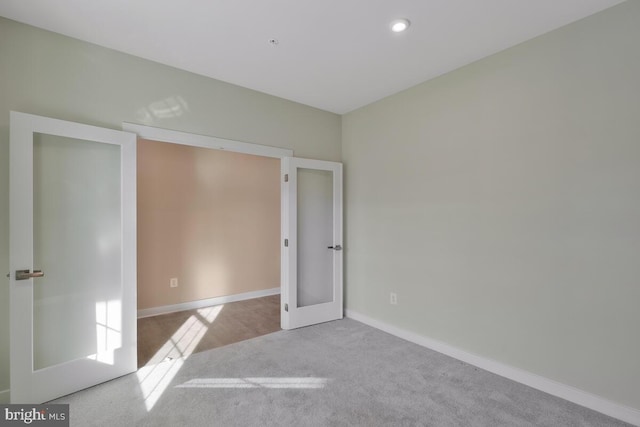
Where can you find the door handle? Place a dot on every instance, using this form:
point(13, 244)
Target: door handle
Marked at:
point(25, 274)
point(335, 248)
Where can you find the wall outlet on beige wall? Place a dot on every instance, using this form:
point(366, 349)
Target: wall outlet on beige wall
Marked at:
point(173, 282)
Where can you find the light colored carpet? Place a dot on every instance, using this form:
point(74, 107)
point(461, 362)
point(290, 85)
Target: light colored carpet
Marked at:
point(340, 373)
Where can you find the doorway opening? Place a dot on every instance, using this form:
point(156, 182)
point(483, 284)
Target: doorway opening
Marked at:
point(209, 214)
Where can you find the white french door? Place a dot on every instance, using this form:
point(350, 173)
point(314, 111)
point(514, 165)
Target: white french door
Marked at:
point(72, 256)
point(312, 242)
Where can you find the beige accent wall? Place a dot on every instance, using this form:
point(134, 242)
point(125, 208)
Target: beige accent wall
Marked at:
point(501, 202)
point(209, 218)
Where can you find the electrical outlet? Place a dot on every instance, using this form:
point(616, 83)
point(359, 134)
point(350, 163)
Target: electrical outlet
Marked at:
point(393, 298)
point(173, 282)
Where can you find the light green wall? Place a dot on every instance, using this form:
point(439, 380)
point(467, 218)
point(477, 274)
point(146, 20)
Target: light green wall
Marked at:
point(499, 201)
point(502, 203)
point(51, 75)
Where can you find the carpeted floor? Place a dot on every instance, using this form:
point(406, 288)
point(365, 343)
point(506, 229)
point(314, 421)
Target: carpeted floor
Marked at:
point(340, 373)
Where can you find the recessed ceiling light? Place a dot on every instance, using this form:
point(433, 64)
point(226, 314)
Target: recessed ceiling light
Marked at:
point(400, 25)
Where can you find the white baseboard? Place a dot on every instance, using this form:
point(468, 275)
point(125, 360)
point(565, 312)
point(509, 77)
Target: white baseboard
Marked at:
point(572, 394)
point(5, 396)
point(147, 312)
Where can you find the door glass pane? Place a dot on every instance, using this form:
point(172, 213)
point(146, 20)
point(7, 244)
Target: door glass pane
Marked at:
point(315, 234)
point(77, 243)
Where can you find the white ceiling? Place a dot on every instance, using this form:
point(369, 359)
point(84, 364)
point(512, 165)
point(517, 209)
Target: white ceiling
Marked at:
point(336, 55)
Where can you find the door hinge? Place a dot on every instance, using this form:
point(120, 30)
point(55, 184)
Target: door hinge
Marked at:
point(286, 307)
point(286, 243)
point(286, 177)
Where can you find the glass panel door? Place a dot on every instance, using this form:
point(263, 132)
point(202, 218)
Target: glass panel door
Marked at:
point(72, 259)
point(312, 230)
point(76, 241)
point(315, 234)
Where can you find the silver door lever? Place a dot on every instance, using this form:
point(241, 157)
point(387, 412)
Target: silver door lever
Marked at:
point(335, 248)
point(25, 274)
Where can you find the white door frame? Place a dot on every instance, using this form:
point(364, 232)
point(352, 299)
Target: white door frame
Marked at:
point(212, 142)
point(202, 141)
point(35, 387)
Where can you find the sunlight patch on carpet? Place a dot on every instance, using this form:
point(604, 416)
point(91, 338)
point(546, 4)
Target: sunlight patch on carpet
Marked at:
point(157, 374)
point(302, 382)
